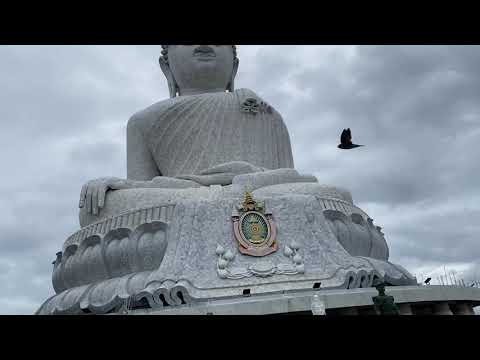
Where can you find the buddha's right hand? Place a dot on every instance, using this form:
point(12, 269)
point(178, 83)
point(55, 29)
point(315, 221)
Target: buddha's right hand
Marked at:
point(93, 193)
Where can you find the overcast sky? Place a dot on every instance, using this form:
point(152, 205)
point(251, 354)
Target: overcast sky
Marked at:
point(64, 110)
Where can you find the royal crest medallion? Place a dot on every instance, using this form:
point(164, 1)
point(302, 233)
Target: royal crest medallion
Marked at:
point(254, 229)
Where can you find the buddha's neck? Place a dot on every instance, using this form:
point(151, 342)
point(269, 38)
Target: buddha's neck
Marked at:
point(187, 92)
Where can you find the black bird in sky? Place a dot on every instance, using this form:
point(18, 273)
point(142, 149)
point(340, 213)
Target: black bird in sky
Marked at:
point(346, 140)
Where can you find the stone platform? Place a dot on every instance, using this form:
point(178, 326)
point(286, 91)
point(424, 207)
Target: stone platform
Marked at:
point(411, 300)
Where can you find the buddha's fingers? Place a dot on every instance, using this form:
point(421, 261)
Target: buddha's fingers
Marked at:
point(236, 167)
point(95, 201)
point(101, 196)
point(207, 180)
point(83, 193)
point(89, 198)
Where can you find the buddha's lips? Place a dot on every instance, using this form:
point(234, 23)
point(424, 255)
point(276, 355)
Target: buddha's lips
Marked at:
point(205, 51)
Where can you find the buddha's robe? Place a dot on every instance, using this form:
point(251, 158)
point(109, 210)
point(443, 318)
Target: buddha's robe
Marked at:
point(188, 134)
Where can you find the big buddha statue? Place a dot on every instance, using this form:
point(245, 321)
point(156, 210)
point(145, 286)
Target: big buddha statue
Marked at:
point(212, 205)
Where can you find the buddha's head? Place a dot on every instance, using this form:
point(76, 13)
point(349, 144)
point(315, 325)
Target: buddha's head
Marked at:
point(194, 69)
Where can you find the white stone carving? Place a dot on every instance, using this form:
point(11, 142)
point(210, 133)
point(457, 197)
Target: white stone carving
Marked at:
point(261, 267)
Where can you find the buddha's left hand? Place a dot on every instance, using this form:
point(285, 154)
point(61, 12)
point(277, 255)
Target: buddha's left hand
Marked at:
point(222, 174)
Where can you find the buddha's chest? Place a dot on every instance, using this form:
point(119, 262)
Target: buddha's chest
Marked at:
point(198, 134)
point(223, 122)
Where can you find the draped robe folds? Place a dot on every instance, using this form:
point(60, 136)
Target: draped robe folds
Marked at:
point(188, 134)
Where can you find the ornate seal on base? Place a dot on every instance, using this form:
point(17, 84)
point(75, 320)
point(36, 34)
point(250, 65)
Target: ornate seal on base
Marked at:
point(254, 229)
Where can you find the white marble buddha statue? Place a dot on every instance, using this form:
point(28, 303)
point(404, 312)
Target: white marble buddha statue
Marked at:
point(164, 235)
point(205, 134)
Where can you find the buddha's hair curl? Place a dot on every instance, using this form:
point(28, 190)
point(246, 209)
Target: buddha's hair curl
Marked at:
point(165, 52)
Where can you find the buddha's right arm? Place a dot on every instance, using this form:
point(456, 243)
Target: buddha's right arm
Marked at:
point(94, 192)
point(140, 162)
point(142, 172)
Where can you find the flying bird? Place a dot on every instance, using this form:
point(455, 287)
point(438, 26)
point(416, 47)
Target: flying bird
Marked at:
point(346, 140)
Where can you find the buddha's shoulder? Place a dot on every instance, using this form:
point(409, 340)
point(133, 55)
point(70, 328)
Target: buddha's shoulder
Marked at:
point(146, 117)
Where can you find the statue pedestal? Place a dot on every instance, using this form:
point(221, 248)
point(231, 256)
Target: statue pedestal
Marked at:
point(166, 253)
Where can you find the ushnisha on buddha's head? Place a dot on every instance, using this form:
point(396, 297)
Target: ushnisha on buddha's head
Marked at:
point(196, 69)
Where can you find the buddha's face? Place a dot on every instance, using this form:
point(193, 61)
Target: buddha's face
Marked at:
point(201, 67)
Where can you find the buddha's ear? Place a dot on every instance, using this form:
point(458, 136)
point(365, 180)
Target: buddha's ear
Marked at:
point(230, 86)
point(172, 84)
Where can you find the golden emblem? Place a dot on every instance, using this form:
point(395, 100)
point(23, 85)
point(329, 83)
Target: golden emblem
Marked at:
point(253, 228)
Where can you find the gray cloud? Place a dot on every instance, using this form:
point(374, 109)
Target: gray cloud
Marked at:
point(64, 110)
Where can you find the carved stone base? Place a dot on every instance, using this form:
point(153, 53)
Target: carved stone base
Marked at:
point(183, 251)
